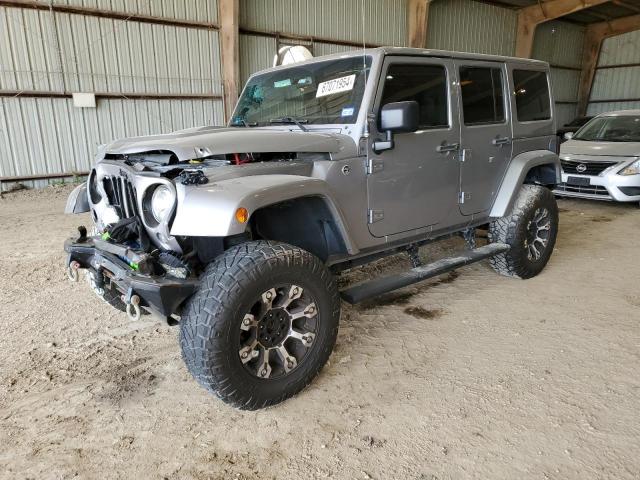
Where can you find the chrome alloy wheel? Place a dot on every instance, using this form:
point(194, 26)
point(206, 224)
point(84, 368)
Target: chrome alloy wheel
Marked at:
point(278, 331)
point(538, 232)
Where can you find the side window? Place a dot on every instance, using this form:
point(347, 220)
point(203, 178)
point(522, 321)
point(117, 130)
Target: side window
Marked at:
point(426, 84)
point(482, 95)
point(532, 95)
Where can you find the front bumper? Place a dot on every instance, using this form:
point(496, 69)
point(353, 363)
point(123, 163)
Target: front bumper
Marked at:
point(608, 186)
point(160, 293)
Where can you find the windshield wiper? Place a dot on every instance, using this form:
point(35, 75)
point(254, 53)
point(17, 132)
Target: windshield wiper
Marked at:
point(291, 120)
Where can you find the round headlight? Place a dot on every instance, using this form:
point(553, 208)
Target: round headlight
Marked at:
point(162, 202)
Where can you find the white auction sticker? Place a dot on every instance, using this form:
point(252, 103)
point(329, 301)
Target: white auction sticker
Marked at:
point(337, 85)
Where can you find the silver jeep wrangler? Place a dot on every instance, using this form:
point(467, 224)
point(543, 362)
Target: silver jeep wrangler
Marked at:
point(237, 233)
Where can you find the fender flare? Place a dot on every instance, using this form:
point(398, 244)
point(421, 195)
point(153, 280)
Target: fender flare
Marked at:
point(78, 201)
point(516, 175)
point(209, 210)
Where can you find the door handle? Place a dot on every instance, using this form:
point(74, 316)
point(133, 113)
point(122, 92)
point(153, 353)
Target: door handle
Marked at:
point(447, 147)
point(501, 141)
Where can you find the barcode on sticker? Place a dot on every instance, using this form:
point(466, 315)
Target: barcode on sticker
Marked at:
point(337, 85)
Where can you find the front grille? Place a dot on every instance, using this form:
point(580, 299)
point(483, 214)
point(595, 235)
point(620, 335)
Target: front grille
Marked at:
point(584, 189)
point(121, 196)
point(590, 168)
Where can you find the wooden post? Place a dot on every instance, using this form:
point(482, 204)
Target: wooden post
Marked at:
point(229, 18)
point(591, 53)
point(596, 33)
point(526, 35)
point(418, 12)
point(530, 17)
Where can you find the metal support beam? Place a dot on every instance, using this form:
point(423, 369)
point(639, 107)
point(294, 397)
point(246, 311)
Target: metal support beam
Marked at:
point(595, 34)
point(418, 13)
point(126, 96)
point(229, 18)
point(530, 17)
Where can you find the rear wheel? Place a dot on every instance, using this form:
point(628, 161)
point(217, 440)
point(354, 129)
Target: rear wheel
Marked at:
point(530, 229)
point(262, 325)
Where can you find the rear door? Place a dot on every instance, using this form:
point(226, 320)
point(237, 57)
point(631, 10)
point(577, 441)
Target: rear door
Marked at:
point(485, 132)
point(415, 184)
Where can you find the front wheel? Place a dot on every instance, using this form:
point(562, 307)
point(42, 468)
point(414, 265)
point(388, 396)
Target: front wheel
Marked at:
point(262, 325)
point(530, 229)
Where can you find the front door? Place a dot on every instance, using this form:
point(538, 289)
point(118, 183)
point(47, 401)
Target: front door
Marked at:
point(415, 184)
point(485, 133)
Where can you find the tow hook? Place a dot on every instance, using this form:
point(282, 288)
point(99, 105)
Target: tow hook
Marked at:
point(133, 308)
point(73, 271)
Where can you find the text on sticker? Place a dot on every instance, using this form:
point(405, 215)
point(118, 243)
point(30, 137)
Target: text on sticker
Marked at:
point(337, 85)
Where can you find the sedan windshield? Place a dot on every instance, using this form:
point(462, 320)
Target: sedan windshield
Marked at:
point(611, 129)
point(316, 93)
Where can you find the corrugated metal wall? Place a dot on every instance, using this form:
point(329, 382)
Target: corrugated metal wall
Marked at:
point(560, 44)
point(384, 20)
point(104, 55)
point(50, 135)
point(385, 23)
point(469, 26)
point(60, 52)
point(620, 83)
point(65, 52)
point(195, 10)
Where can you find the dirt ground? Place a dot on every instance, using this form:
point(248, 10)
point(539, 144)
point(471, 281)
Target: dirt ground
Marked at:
point(472, 375)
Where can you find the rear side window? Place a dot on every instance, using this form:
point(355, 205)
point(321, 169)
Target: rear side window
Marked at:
point(482, 95)
point(426, 84)
point(532, 95)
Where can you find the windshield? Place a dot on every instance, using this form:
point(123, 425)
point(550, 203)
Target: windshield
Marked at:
point(611, 129)
point(317, 93)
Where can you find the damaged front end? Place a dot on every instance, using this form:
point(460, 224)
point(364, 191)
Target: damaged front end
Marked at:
point(140, 278)
point(132, 255)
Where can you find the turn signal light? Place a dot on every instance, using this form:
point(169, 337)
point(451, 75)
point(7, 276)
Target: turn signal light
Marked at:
point(242, 215)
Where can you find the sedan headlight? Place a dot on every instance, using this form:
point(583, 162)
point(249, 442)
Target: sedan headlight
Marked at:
point(162, 202)
point(633, 169)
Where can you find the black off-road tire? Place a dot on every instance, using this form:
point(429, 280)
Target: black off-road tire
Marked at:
point(210, 325)
point(513, 230)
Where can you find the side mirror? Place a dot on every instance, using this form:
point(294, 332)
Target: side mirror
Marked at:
point(396, 117)
point(568, 135)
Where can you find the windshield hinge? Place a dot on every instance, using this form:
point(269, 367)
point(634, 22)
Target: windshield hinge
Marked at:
point(374, 166)
point(375, 216)
point(464, 197)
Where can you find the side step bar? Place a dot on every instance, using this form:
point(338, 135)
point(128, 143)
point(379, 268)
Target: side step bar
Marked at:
point(373, 288)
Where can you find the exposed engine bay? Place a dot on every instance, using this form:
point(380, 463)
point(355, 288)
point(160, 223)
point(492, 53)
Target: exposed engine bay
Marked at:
point(169, 166)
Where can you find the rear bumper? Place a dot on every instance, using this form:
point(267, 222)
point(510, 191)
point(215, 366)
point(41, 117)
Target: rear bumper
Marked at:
point(160, 293)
